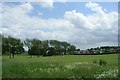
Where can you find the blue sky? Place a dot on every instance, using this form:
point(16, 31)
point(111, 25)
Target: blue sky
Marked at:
point(60, 8)
point(83, 24)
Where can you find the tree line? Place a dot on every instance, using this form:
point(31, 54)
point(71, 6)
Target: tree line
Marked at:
point(11, 45)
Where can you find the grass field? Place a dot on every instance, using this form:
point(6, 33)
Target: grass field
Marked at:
point(68, 66)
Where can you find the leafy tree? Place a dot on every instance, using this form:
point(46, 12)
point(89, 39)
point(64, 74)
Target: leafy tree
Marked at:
point(44, 46)
point(11, 46)
point(34, 46)
point(71, 49)
point(5, 45)
point(65, 47)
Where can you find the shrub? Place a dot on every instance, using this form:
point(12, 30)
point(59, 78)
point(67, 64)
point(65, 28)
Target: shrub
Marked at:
point(95, 61)
point(102, 62)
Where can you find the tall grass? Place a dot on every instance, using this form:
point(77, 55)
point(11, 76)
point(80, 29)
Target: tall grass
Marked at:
point(70, 66)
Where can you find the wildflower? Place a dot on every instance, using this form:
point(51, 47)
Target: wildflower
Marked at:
point(56, 68)
point(111, 73)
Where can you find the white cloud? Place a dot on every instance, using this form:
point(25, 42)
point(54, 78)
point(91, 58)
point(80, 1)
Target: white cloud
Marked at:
point(47, 3)
point(27, 6)
point(44, 3)
point(78, 19)
point(95, 7)
point(81, 30)
point(96, 29)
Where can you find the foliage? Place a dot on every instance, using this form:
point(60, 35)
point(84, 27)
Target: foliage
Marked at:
point(111, 73)
point(102, 62)
point(36, 47)
point(48, 47)
point(11, 45)
point(95, 61)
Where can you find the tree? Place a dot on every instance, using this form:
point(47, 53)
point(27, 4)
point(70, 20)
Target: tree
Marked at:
point(0, 44)
point(65, 47)
point(34, 46)
point(5, 45)
point(15, 46)
point(57, 47)
point(71, 49)
point(44, 46)
point(28, 43)
point(11, 46)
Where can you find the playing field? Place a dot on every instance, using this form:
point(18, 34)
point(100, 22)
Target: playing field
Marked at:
point(68, 66)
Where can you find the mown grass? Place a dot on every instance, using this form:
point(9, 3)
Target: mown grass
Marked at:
point(68, 66)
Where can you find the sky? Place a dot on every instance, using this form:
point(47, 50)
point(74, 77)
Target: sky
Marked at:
point(83, 24)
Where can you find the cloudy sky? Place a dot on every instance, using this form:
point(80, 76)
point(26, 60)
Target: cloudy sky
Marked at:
point(83, 24)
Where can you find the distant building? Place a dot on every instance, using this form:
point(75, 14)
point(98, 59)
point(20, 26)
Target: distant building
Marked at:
point(100, 50)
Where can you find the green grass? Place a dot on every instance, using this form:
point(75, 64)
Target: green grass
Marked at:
point(0, 67)
point(68, 66)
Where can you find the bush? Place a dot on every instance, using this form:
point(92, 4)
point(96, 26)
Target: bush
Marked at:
point(95, 61)
point(102, 62)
